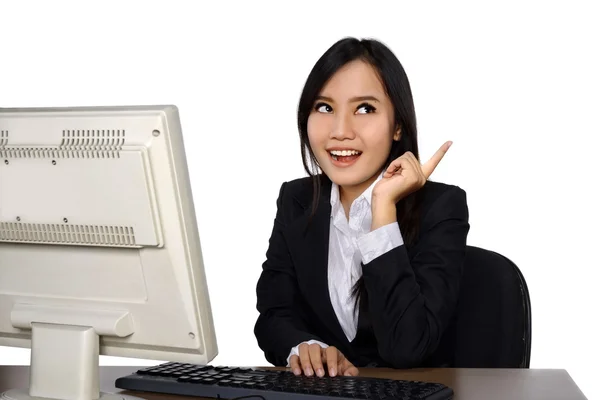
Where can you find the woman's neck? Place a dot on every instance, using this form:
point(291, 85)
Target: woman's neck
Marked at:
point(351, 192)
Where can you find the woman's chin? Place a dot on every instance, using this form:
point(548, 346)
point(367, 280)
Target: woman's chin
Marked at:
point(346, 179)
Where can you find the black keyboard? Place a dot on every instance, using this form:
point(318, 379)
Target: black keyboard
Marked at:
point(235, 382)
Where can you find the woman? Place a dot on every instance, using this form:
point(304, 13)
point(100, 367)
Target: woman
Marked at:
point(365, 258)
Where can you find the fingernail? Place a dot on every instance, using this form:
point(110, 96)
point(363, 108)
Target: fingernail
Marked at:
point(332, 372)
point(320, 372)
point(450, 144)
point(297, 371)
point(308, 372)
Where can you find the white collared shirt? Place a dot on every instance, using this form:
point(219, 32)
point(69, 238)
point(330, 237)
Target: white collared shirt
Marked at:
point(350, 243)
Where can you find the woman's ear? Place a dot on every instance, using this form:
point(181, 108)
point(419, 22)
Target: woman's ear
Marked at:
point(398, 133)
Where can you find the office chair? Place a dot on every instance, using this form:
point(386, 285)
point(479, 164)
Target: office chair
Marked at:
point(492, 324)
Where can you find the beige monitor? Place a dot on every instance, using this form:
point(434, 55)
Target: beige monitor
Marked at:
point(99, 247)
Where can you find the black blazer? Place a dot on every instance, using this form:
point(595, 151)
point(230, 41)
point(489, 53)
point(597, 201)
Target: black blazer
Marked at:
point(412, 292)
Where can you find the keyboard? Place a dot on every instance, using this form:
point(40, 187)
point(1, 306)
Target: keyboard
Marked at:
point(263, 384)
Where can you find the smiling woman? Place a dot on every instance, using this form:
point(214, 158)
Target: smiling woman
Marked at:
point(366, 254)
point(352, 123)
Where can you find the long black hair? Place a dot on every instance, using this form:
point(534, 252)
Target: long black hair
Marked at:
point(397, 87)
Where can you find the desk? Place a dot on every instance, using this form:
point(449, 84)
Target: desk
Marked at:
point(468, 384)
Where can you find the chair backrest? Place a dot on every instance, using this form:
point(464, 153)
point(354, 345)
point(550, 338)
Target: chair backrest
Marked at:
point(492, 325)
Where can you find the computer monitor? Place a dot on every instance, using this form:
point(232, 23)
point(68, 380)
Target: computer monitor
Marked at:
point(99, 247)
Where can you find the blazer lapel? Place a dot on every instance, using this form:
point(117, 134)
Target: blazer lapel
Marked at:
point(309, 244)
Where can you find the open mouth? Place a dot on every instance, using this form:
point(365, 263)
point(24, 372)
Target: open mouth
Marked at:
point(344, 157)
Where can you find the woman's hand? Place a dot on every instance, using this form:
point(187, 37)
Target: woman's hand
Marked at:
point(406, 175)
point(315, 359)
point(403, 176)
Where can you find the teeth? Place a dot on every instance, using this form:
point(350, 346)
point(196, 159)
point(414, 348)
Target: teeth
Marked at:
point(344, 153)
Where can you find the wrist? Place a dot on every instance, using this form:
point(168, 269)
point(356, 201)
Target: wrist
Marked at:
point(383, 213)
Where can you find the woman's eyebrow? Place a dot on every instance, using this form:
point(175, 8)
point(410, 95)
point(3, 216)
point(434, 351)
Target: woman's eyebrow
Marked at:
point(352, 100)
point(364, 98)
point(325, 98)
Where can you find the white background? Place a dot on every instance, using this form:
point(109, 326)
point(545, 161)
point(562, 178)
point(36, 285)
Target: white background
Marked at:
point(516, 87)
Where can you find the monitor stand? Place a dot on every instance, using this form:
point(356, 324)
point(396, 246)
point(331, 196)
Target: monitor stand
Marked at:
point(64, 365)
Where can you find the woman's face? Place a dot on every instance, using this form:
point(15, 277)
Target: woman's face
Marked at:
point(351, 126)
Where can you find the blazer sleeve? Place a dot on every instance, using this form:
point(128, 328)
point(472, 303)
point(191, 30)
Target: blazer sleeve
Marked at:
point(280, 325)
point(411, 300)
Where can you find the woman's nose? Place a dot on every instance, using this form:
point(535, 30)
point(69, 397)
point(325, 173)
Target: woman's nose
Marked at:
point(342, 128)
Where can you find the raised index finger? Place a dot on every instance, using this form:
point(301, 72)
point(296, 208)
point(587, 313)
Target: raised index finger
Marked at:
point(430, 165)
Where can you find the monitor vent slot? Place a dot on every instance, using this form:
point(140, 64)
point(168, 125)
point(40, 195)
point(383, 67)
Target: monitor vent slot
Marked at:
point(3, 138)
point(93, 235)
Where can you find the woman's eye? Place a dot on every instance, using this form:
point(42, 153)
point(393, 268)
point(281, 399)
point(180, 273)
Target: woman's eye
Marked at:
point(323, 108)
point(365, 109)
